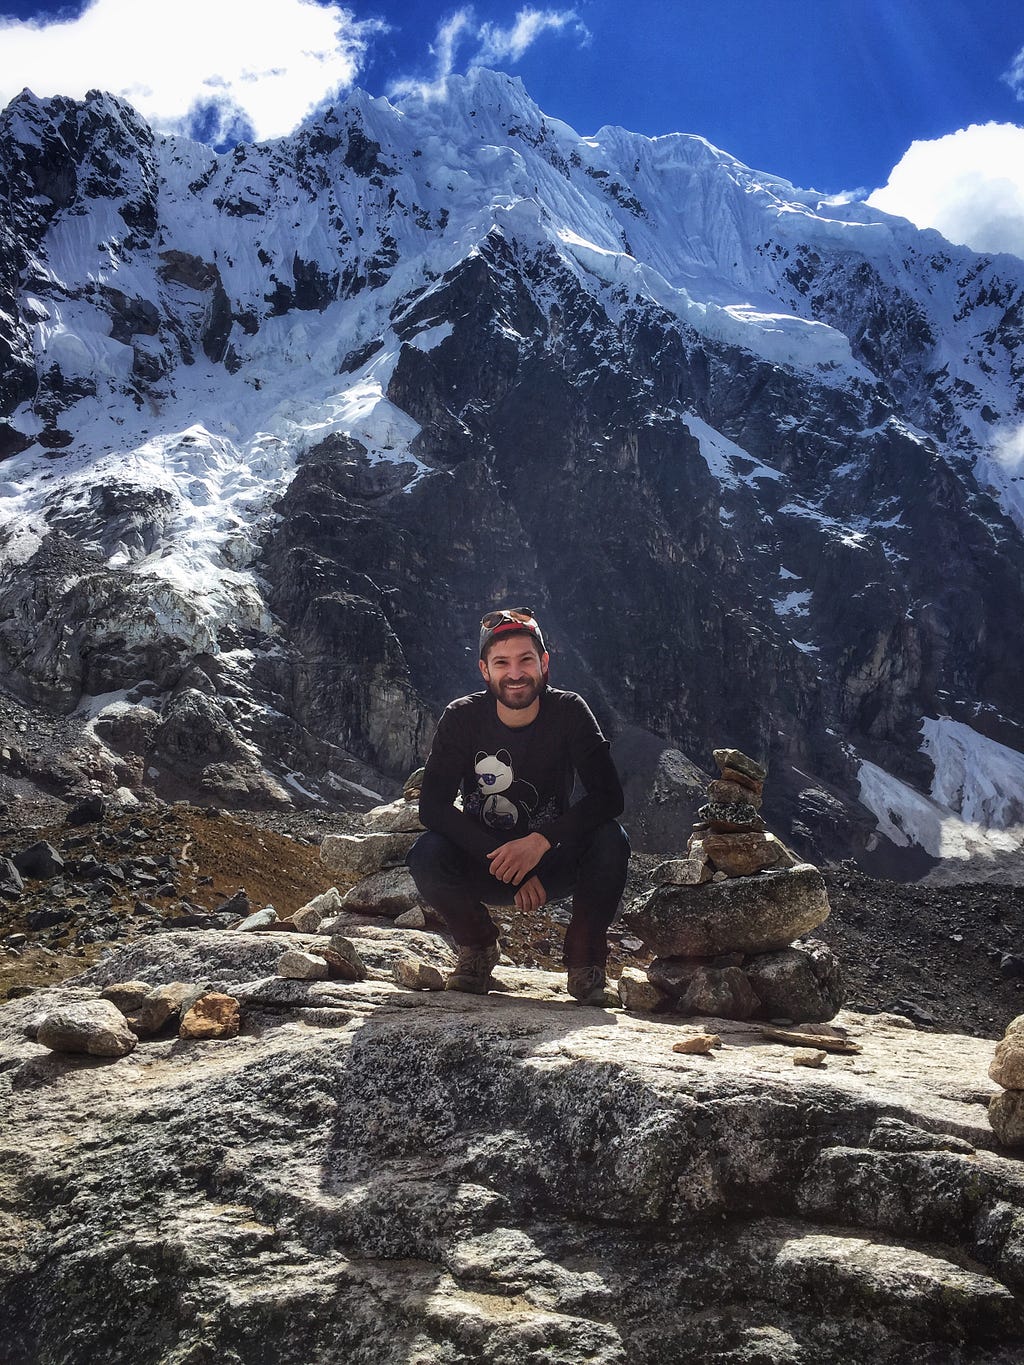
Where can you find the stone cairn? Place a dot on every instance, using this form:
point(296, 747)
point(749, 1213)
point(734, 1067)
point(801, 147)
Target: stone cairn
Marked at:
point(1006, 1108)
point(723, 921)
point(375, 862)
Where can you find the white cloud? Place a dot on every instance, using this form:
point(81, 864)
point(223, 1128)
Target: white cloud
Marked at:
point(493, 44)
point(969, 185)
point(213, 68)
point(509, 44)
point(1014, 78)
point(443, 49)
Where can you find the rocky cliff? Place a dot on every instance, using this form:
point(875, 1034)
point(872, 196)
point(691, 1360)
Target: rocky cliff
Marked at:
point(279, 423)
point(382, 1175)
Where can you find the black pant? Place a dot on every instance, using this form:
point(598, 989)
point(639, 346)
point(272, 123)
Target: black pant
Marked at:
point(456, 884)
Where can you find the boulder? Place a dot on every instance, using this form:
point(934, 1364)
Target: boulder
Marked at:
point(40, 860)
point(90, 809)
point(160, 1006)
point(96, 1027)
point(126, 995)
point(746, 914)
point(350, 856)
point(637, 992)
point(682, 872)
point(299, 966)
point(397, 817)
point(417, 975)
point(803, 983)
point(11, 885)
point(343, 959)
point(238, 904)
point(1006, 1115)
point(723, 992)
point(214, 1015)
point(411, 919)
point(308, 918)
point(1007, 1067)
point(389, 893)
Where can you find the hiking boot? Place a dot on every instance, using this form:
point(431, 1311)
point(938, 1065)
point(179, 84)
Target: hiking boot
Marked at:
point(590, 986)
point(473, 970)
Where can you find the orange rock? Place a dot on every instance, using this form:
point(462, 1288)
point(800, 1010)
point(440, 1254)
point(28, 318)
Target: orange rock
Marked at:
point(698, 1043)
point(214, 1015)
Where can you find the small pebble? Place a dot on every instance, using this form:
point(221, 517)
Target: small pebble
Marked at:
point(806, 1056)
point(698, 1043)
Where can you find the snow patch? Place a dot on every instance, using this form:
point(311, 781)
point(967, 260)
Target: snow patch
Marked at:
point(979, 778)
point(975, 810)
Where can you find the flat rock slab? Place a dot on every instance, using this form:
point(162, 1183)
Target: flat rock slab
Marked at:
point(759, 914)
point(425, 1176)
point(357, 855)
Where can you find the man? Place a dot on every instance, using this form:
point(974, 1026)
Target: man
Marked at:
point(514, 751)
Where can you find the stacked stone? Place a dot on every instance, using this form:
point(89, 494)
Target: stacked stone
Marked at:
point(729, 837)
point(375, 862)
point(1006, 1109)
point(723, 920)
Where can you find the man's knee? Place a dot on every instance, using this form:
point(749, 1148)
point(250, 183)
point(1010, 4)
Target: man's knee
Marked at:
point(432, 856)
point(609, 848)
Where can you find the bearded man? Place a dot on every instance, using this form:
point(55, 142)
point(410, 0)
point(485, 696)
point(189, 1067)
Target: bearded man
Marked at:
point(514, 752)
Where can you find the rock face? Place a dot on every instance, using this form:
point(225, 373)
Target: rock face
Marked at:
point(532, 373)
point(383, 1175)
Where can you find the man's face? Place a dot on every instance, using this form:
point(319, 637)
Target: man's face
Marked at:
point(514, 672)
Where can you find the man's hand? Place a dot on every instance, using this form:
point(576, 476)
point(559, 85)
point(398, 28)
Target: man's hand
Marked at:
point(512, 861)
point(531, 895)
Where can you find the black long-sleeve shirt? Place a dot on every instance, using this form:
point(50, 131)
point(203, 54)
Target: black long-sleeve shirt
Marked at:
point(518, 780)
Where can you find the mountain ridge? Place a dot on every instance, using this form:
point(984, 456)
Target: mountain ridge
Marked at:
point(281, 422)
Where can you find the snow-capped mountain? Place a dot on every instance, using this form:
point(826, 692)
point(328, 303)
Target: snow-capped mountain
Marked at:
point(280, 424)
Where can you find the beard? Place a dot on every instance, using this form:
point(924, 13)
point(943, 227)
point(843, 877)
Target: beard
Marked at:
point(518, 698)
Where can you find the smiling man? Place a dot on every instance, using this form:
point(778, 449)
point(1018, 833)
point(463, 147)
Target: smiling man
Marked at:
point(515, 752)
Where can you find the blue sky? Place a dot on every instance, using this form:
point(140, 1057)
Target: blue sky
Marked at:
point(831, 94)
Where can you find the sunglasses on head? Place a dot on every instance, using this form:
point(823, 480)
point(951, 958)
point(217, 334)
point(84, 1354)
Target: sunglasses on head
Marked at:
point(523, 615)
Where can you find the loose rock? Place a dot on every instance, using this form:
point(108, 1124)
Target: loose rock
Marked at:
point(389, 893)
point(803, 983)
point(411, 919)
point(40, 860)
point(357, 855)
point(682, 872)
point(417, 975)
point(309, 917)
point(343, 959)
point(739, 762)
point(1006, 1115)
point(299, 966)
point(1007, 1067)
point(723, 992)
point(214, 1015)
point(698, 1043)
point(640, 994)
point(809, 1057)
point(96, 1027)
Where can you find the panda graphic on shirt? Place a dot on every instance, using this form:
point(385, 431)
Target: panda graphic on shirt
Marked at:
point(501, 801)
